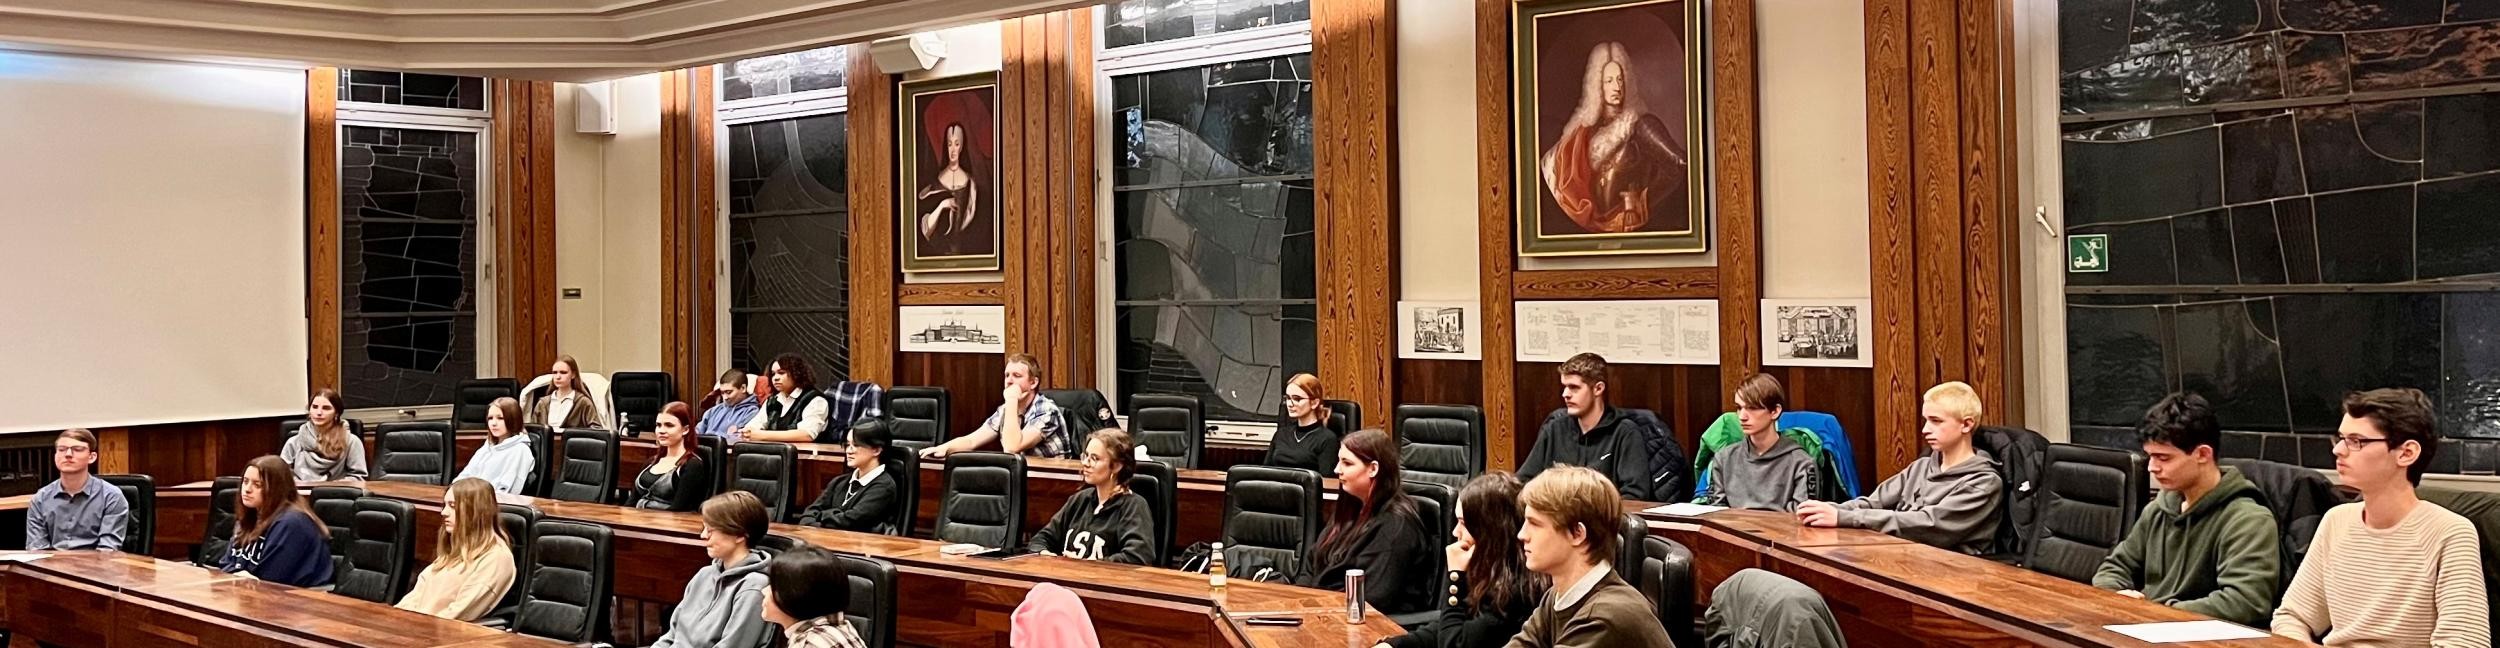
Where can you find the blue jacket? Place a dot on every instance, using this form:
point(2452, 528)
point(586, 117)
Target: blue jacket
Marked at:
point(294, 552)
point(1835, 442)
point(724, 420)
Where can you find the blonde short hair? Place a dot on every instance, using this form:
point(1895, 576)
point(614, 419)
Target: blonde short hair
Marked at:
point(1957, 398)
point(1575, 496)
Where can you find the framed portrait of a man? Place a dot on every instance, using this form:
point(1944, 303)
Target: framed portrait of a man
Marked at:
point(1610, 153)
point(949, 187)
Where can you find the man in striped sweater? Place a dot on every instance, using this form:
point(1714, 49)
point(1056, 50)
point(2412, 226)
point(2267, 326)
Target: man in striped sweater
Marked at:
point(2391, 569)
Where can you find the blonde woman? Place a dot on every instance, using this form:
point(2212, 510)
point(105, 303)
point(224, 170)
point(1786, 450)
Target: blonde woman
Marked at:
point(472, 559)
point(322, 450)
point(505, 460)
point(567, 404)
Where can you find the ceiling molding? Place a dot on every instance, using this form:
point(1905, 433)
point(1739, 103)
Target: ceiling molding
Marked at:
point(555, 40)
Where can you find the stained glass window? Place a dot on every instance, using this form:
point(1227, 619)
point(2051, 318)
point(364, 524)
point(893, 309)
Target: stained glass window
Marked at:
point(412, 89)
point(779, 74)
point(789, 243)
point(1135, 22)
point(408, 203)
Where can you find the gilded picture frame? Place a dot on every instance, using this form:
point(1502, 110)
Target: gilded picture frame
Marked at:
point(1611, 152)
point(947, 130)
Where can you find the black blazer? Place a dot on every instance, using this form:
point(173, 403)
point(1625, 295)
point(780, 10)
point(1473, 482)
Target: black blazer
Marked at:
point(682, 489)
point(850, 506)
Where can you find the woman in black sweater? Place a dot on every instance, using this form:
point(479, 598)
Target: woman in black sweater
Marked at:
point(1491, 588)
point(867, 498)
point(677, 481)
point(1375, 528)
point(1106, 522)
point(1303, 438)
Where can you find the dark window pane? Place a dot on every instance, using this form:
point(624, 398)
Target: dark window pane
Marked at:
point(408, 241)
point(1229, 120)
point(412, 89)
point(1246, 241)
point(1145, 21)
point(765, 76)
point(789, 242)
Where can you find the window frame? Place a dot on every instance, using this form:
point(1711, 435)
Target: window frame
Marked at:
point(1288, 39)
point(786, 106)
point(476, 122)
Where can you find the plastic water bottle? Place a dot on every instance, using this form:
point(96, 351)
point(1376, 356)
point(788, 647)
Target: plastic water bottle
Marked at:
point(1215, 568)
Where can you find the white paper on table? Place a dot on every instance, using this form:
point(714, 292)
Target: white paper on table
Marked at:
point(1685, 509)
point(2186, 631)
point(23, 556)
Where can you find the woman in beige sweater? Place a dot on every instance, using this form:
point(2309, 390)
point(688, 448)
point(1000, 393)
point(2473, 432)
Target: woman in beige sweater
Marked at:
point(472, 561)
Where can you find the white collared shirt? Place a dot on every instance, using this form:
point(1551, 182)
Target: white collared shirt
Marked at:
point(1588, 582)
point(871, 475)
point(560, 406)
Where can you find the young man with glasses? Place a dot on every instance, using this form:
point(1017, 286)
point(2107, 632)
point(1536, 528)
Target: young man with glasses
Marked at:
point(1589, 432)
point(2391, 569)
point(864, 499)
point(77, 511)
point(2207, 544)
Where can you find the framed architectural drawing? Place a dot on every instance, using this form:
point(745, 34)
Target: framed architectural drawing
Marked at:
point(953, 329)
point(1817, 333)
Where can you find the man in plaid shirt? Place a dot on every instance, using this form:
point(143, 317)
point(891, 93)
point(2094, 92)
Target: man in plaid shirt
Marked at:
point(1026, 423)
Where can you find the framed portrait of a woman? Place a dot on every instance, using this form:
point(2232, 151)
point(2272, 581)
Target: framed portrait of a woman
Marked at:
point(949, 187)
point(1610, 153)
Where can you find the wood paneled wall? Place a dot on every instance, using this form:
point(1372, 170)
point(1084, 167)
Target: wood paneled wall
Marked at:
point(524, 140)
point(689, 225)
point(971, 381)
point(321, 226)
point(1046, 168)
point(1354, 133)
point(1516, 396)
point(870, 123)
point(1939, 74)
point(180, 453)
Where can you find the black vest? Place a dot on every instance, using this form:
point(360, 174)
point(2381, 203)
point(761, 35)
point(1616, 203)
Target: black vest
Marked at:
point(780, 420)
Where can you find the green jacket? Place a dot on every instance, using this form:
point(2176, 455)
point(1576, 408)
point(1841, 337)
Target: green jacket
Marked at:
point(2220, 559)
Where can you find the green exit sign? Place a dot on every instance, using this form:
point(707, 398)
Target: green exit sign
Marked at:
point(2087, 253)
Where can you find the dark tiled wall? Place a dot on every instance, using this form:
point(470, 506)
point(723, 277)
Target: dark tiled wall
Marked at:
point(2167, 152)
point(2456, 455)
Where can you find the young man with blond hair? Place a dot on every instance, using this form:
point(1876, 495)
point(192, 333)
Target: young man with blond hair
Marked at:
point(1026, 423)
point(1947, 499)
point(1574, 524)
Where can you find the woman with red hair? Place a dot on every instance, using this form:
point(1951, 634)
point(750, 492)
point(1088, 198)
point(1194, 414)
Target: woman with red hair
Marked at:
point(677, 481)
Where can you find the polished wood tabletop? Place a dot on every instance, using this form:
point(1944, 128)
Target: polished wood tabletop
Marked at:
point(657, 551)
point(86, 598)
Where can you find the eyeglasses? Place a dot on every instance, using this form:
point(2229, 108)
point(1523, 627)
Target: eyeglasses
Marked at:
point(2355, 443)
point(1296, 399)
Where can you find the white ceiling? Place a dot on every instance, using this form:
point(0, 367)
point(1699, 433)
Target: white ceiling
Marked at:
point(560, 40)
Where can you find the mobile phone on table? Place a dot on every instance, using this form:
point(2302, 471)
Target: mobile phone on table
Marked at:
point(1273, 621)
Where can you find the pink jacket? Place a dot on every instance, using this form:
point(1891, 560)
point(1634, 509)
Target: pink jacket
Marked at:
point(1052, 617)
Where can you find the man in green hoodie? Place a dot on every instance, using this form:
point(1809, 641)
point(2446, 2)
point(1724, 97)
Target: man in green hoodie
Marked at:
point(2208, 543)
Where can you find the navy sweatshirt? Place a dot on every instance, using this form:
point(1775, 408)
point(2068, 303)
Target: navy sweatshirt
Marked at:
point(293, 552)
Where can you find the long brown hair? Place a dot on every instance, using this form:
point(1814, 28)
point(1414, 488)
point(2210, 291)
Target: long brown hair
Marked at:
point(331, 440)
point(1309, 384)
point(476, 523)
point(1497, 575)
point(277, 493)
point(1388, 494)
point(512, 424)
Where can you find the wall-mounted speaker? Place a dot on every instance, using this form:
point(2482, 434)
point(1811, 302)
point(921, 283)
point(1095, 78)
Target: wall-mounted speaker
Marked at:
point(912, 53)
point(594, 108)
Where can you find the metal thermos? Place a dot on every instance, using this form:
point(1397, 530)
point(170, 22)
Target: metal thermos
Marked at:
point(1354, 596)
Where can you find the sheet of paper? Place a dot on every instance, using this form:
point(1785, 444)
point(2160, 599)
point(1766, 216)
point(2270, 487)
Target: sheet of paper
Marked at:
point(1685, 509)
point(22, 556)
point(2186, 631)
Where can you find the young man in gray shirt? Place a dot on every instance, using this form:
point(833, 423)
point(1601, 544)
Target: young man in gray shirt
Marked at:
point(77, 511)
point(1765, 471)
point(1947, 499)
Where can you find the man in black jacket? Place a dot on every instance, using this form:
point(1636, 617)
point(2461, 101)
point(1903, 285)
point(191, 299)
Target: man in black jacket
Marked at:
point(1590, 433)
point(865, 499)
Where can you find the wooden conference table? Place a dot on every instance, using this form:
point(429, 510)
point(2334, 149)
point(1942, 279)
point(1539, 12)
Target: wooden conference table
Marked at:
point(942, 600)
point(89, 598)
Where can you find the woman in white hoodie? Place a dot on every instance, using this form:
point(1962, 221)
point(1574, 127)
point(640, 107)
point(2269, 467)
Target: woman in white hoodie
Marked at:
point(505, 460)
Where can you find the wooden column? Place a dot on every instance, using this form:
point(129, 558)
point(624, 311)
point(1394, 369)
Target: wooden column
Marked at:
point(873, 279)
point(1938, 129)
point(525, 225)
point(689, 230)
point(1046, 167)
point(321, 226)
point(1736, 202)
point(1354, 132)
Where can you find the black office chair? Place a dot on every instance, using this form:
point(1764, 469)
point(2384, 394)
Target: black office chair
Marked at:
point(1344, 416)
point(1155, 481)
point(770, 471)
point(139, 535)
point(588, 471)
point(2483, 509)
point(517, 521)
point(905, 467)
point(423, 453)
point(775, 544)
point(335, 506)
point(1438, 505)
point(220, 532)
point(382, 540)
point(1440, 443)
point(637, 396)
point(1271, 520)
point(1666, 577)
point(984, 499)
point(543, 453)
point(471, 398)
point(872, 598)
point(2093, 496)
point(1082, 410)
point(715, 454)
point(571, 578)
point(1172, 427)
point(2299, 498)
point(918, 416)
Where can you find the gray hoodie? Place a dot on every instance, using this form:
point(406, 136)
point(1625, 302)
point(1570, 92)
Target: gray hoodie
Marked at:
point(1952, 508)
point(722, 608)
point(1777, 480)
point(302, 452)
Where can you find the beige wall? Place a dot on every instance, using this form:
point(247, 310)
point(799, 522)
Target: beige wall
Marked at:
point(1436, 152)
point(608, 231)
